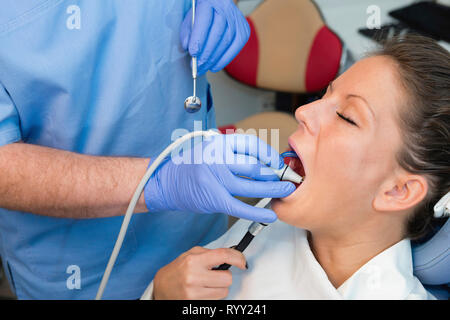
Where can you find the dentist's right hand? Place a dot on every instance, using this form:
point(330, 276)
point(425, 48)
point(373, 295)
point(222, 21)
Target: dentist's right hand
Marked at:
point(208, 186)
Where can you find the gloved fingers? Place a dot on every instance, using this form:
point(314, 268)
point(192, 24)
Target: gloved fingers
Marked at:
point(216, 33)
point(250, 167)
point(239, 41)
point(186, 28)
point(239, 209)
point(202, 25)
point(243, 187)
point(251, 145)
point(224, 44)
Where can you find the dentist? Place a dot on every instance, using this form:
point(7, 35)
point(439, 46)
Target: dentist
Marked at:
point(90, 91)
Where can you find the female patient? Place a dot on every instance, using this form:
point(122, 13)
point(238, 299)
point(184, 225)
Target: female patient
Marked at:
point(375, 154)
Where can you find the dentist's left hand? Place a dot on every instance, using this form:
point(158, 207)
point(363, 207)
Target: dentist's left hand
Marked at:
point(209, 186)
point(220, 32)
point(190, 276)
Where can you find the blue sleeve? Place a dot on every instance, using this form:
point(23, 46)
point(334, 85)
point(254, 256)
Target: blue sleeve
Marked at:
point(9, 119)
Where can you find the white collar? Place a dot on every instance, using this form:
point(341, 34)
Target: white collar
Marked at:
point(389, 275)
point(282, 266)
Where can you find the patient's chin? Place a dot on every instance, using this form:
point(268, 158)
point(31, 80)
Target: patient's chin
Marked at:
point(290, 213)
point(282, 209)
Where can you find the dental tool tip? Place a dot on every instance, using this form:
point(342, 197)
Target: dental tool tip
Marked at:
point(287, 174)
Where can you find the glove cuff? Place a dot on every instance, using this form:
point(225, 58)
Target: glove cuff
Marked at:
point(153, 190)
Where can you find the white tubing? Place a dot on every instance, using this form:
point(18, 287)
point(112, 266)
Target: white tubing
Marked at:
point(134, 200)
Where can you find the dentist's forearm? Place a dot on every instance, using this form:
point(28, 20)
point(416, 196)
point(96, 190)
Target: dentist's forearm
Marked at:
point(64, 184)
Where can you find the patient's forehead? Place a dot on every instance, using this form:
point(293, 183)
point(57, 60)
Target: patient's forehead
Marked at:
point(377, 80)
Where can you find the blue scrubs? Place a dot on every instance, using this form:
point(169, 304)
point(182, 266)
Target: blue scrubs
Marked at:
point(102, 78)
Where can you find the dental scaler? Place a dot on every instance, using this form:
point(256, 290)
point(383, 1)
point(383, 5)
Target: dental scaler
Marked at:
point(285, 174)
point(193, 104)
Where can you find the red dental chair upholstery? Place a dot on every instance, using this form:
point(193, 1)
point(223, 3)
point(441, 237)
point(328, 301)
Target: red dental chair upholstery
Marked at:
point(290, 49)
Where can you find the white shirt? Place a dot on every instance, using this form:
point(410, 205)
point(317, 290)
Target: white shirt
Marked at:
point(282, 266)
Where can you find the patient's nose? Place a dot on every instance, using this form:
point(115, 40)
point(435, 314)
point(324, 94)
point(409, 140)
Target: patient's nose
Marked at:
point(309, 115)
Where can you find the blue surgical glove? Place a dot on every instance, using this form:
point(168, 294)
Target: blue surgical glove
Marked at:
point(205, 178)
point(220, 32)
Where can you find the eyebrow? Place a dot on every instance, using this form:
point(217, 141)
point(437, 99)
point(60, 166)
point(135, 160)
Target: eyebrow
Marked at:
point(356, 96)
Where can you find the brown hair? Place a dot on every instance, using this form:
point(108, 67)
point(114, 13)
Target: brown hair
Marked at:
point(424, 69)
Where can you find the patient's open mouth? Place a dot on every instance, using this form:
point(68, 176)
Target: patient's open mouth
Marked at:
point(295, 164)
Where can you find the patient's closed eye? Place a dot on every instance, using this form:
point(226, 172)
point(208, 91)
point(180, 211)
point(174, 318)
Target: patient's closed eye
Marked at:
point(346, 119)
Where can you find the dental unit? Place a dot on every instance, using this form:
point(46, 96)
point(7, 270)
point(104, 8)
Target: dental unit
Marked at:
point(285, 173)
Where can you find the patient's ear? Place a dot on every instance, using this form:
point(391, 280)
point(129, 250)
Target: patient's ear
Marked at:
point(402, 192)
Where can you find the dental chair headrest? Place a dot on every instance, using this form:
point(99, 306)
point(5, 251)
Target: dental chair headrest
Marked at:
point(442, 208)
point(432, 258)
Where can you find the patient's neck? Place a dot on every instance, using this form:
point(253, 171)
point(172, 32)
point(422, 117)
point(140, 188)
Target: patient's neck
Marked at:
point(341, 254)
